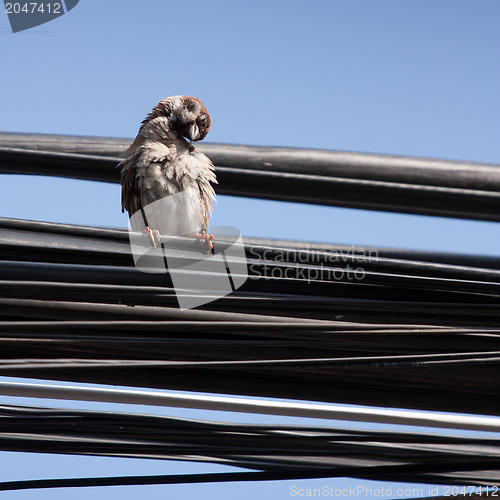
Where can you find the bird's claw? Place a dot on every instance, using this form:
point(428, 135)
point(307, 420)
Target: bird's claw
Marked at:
point(152, 233)
point(208, 238)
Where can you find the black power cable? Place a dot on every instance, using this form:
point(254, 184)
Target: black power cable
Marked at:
point(420, 330)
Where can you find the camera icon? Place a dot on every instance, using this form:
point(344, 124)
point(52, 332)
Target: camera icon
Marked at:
point(198, 276)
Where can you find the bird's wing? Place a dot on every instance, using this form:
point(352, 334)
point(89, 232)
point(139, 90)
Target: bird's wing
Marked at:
point(145, 180)
point(131, 201)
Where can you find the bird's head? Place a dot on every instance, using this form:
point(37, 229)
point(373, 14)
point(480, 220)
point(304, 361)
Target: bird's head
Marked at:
point(184, 116)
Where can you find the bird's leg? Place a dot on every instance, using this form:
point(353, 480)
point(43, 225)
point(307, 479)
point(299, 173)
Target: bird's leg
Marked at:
point(152, 233)
point(208, 237)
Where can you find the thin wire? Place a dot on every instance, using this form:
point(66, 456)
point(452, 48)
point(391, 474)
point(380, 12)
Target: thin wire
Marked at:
point(247, 405)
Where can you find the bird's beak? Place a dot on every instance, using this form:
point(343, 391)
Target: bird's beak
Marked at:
point(193, 132)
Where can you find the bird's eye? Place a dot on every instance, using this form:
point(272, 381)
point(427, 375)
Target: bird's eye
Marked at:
point(202, 119)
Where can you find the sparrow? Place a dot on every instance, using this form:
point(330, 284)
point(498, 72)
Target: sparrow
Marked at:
point(161, 162)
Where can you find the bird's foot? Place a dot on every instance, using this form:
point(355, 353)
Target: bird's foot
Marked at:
point(208, 238)
point(153, 233)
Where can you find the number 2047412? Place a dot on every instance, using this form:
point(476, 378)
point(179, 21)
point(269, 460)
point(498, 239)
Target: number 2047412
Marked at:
point(33, 8)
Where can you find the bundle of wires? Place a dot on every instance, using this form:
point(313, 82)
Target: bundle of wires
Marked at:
point(419, 330)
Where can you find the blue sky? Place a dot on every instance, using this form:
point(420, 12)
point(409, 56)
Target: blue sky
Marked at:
point(411, 78)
